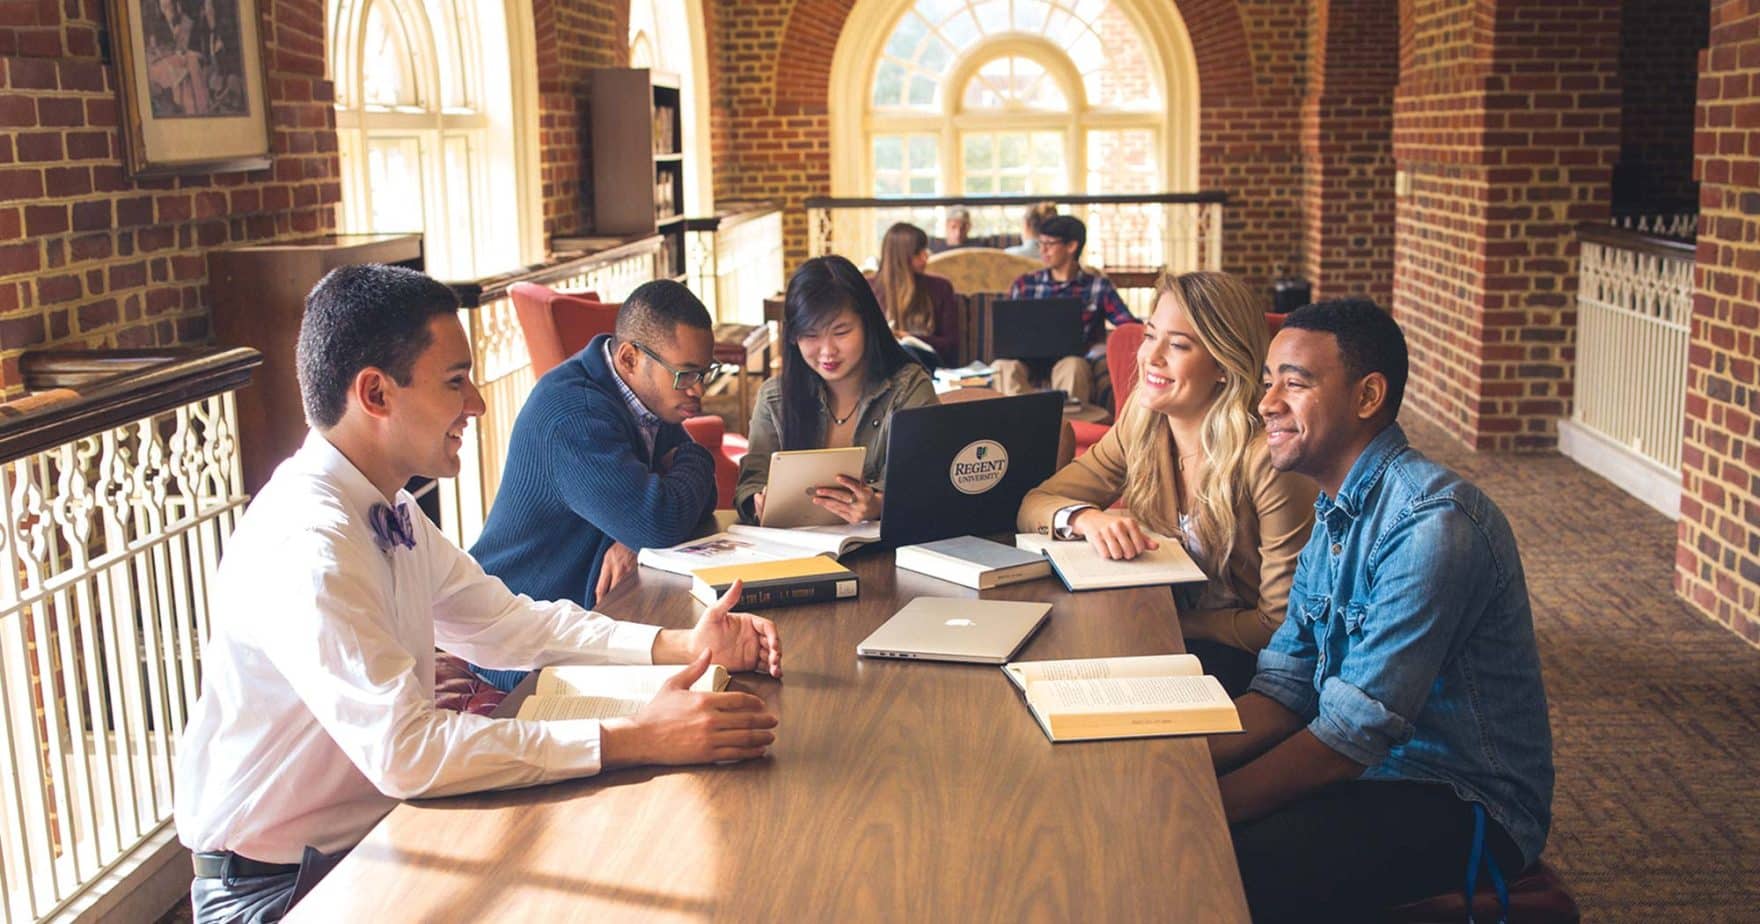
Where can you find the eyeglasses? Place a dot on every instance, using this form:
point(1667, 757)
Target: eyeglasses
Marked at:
point(683, 379)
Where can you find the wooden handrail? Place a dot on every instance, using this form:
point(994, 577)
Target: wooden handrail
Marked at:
point(1665, 247)
point(106, 389)
point(733, 214)
point(474, 293)
point(1216, 196)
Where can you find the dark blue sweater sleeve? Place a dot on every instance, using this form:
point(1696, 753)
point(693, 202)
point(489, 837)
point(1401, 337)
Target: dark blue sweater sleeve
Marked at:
point(607, 485)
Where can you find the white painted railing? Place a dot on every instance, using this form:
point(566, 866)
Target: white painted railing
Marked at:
point(111, 526)
point(1634, 311)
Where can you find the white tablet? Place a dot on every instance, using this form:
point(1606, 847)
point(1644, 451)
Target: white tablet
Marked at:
point(788, 498)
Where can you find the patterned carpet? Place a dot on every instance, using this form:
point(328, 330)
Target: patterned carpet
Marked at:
point(1655, 710)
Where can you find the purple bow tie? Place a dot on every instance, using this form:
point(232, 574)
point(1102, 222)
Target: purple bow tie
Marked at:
point(392, 527)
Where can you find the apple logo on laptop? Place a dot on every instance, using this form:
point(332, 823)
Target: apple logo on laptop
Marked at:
point(960, 622)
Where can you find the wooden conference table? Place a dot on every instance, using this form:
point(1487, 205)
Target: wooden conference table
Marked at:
point(896, 791)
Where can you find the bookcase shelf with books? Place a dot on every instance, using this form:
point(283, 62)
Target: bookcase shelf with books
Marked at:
point(638, 159)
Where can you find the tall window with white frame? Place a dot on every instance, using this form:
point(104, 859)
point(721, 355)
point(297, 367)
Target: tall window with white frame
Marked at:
point(425, 121)
point(1013, 97)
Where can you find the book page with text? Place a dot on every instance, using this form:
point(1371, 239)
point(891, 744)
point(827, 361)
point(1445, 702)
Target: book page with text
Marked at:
point(562, 708)
point(1119, 694)
point(1173, 665)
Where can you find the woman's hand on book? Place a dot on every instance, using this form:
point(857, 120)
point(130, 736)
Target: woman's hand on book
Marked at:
point(737, 641)
point(1116, 537)
point(681, 726)
point(850, 498)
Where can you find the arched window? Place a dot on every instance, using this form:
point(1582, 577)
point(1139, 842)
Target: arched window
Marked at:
point(428, 132)
point(1012, 97)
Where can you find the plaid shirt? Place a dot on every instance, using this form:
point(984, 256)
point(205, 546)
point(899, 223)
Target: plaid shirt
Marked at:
point(1096, 293)
point(646, 421)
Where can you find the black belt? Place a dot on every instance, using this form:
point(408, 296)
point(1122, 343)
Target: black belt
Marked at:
point(225, 864)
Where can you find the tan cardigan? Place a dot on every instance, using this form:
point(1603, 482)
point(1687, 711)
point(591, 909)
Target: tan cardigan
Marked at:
point(1273, 518)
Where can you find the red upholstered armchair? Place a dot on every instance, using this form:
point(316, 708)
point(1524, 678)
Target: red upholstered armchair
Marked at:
point(557, 325)
point(1121, 364)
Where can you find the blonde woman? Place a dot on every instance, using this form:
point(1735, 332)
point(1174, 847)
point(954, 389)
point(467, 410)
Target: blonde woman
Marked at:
point(1188, 459)
point(917, 305)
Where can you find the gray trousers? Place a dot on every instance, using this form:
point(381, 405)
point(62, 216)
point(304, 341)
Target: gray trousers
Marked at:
point(258, 899)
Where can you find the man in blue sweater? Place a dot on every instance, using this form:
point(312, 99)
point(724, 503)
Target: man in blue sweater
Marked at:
point(599, 465)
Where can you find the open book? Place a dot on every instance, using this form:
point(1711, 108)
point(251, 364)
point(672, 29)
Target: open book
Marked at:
point(1082, 568)
point(745, 545)
point(1136, 697)
point(605, 691)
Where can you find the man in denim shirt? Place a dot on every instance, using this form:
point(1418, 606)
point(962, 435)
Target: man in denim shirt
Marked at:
point(1400, 705)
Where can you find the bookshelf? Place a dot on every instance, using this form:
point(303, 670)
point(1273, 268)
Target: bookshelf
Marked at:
point(638, 159)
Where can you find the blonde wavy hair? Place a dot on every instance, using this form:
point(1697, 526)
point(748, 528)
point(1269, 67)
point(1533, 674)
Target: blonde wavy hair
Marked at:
point(1230, 325)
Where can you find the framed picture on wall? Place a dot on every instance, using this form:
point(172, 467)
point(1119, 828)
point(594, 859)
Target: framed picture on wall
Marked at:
point(194, 96)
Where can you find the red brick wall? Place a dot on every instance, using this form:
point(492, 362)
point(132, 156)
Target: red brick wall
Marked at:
point(1718, 559)
point(573, 37)
point(1506, 123)
point(1659, 69)
point(90, 258)
point(773, 131)
point(1347, 147)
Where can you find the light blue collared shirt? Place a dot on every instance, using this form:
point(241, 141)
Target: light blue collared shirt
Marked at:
point(1409, 645)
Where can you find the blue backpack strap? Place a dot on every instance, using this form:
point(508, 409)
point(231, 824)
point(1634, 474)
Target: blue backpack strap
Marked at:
point(1490, 862)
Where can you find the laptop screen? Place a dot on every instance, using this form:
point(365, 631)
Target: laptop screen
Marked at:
point(962, 468)
point(1036, 328)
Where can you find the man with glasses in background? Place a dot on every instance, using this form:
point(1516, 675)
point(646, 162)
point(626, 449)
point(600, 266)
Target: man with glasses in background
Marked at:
point(599, 465)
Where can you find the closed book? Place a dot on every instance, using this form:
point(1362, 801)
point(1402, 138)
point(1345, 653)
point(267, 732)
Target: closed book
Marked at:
point(814, 579)
point(973, 562)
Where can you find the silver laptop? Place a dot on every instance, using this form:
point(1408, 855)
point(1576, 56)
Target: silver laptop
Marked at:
point(956, 629)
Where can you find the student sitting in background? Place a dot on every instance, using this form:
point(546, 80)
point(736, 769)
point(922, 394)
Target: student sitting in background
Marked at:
point(599, 465)
point(958, 231)
point(916, 304)
point(1396, 737)
point(1062, 239)
point(1031, 222)
point(1188, 457)
point(843, 375)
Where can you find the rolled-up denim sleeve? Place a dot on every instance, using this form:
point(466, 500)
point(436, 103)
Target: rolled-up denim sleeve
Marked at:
point(1287, 662)
point(1432, 574)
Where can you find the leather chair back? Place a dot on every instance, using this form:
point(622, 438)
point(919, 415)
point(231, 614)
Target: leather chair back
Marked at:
point(557, 324)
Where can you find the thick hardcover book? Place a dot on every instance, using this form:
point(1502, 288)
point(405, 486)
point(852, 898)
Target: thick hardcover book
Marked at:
point(814, 579)
point(972, 562)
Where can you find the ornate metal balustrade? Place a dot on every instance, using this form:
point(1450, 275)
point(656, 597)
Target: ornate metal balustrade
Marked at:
point(119, 487)
point(1172, 231)
point(1634, 311)
point(735, 260)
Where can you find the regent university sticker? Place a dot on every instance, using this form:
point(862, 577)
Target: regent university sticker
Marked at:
point(978, 467)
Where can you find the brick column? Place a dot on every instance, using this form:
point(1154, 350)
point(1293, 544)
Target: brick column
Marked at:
point(1347, 148)
point(1506, 125)
point(1718, 558)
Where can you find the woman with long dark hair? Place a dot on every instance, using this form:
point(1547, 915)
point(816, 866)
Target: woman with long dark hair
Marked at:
point(843, 375)
point(917, 305)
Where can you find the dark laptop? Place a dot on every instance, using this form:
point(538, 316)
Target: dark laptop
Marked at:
point(1036, 328)
point(958, 469)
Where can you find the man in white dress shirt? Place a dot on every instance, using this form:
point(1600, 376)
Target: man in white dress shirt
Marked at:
point(317, 708)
